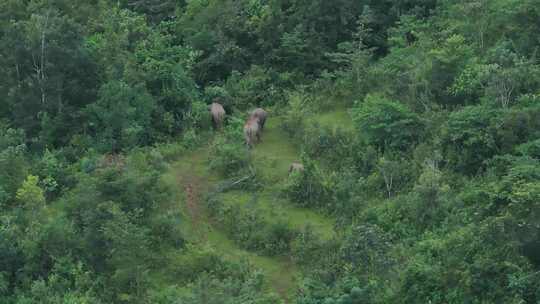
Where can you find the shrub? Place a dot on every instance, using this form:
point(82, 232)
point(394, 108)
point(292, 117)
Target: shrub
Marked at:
point(278, 237)
point(190, 139)
point(170, 151)
point(307, 248)
point(467, 138)
point(198, 117)
point(333, 145)
point(310, 187)
point(218, 92)
point(367, 247)
point(166, 230)
point(293, 122)
point(229, 155)
point(228, 158)
point(250, 230)
point(386, 123)
point(392, 174)
point(531, 148)
point(258, 86)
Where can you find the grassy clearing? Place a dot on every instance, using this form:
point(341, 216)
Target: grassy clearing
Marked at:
point(271, 158)
point(338, 118)
point(271, 206)
point(192, 168)
point(274, 154)
point(280, 271)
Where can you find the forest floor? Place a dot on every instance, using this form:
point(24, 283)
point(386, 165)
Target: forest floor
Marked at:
point(272, 158)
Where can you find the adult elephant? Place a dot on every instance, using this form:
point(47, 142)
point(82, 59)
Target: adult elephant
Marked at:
point(218, 115)
point(252, 131)
point(260, 114)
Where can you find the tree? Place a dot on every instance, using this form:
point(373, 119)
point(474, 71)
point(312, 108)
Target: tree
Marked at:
point(68, 282)
point(129, 256)
point(166, 69)
point(156, 10)
point(31, 195)
point(468, 138)
point(354, 57)
point(366, 248)
point(387, 124)
point(389, 169)
point(121, 117)
point(428, 196)
point(49, 76)
point(13, 163)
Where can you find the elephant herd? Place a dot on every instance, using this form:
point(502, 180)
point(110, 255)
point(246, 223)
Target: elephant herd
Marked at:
point(252, 128)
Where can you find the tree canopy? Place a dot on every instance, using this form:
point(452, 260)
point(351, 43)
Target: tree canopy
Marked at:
point(413, 127)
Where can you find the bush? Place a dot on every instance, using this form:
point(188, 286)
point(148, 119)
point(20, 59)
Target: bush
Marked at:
point(468, 139)
point(229, 158)
point(392, 174)
point(250, 230)
point(190, 139)
point(333, 145)
point(386, 123)
point(166, 230)
point(278, 237)
point(198, 117)
point(229, 155)
point(170, 151)
point(256, 87)
point(366, 248)
point(307, 248)
point(531, 149)
point(293, 122)
point(310, 187)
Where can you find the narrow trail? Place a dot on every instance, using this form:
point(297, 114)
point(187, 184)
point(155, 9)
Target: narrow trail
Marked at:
point(190, 174)
point(194, 209)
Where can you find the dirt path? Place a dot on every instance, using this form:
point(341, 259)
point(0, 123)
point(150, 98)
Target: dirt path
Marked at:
point(190, 174)
point(194, 208)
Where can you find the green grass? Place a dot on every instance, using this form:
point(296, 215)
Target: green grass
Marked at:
point(339, 117)
point(274, 154)
point(280, 272)
point(271, 159)
point(192, 167)
point(271, 206)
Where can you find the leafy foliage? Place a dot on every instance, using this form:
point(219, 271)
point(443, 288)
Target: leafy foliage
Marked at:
point(430, 173)
point(387, 124)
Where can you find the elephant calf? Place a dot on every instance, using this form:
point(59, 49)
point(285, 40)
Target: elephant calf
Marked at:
point(296, 167)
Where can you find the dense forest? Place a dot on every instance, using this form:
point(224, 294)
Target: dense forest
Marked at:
point(411, 129)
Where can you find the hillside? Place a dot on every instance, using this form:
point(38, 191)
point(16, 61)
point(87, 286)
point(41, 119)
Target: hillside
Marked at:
point(269, 151)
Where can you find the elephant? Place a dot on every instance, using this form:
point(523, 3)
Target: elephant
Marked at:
point(252, 131)
point(296, 167)
point(218, 114)
point(261, 114)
